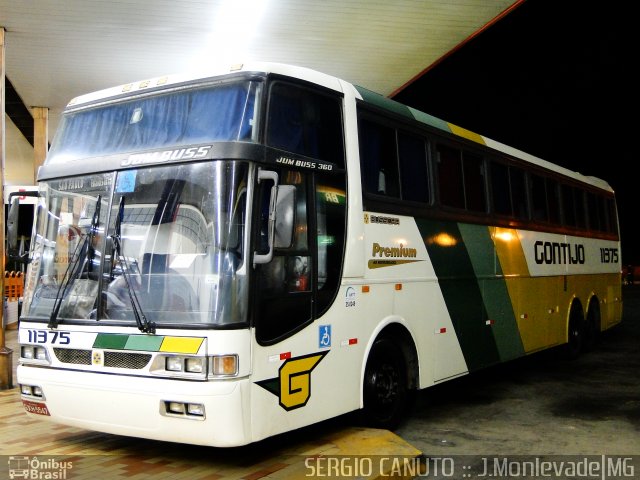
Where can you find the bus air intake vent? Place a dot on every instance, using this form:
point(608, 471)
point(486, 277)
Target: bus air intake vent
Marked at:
point(73, 355)
point(134, 361)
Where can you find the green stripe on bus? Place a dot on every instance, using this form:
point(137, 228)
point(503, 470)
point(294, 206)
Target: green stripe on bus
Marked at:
point(430, 120)
point(112, 341)
point(144, 343)
point(120, 341)
point(461, 292)
point(495, 295)
point(384, 102)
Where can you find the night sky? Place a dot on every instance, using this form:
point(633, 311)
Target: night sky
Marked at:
point(555, 79)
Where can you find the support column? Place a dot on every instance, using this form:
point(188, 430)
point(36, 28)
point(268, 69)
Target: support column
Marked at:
point(40, 138)
point(6, 354)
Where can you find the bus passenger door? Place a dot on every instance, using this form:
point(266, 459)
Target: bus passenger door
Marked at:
point(297, 368)
point(283, 288)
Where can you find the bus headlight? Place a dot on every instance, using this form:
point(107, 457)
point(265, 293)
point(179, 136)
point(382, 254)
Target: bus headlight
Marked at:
point(185, 364)
point(31, 391)
point(195, 364)
point(27, 352)
point(180, 366)
point(33, 354)
point(192, 411)
point(174, 364)
point(196, 367)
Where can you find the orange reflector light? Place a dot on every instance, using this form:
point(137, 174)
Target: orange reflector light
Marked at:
point(398, 286)
point(225, 365)
point(365, 289)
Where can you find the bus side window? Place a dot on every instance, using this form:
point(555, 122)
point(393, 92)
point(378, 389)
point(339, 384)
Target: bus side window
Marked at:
point(414, 171)
point(518, 193)
point(450, 178)
point(581, 220)
point(474, 185)
point(593, 216)
point(378, 159)
point(539, 199)
point(305, 122)
point(612, 214)
point(284, 286)
point(568, 206)
point(500, 189)
point(330, 227)
point(553, 201)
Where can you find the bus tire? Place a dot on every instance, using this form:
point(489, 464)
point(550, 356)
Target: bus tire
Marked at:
point(575, 332)
point(592, 326)
point(385, 386)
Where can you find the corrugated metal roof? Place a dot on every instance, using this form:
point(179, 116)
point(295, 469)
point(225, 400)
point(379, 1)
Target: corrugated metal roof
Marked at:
point(57, 50)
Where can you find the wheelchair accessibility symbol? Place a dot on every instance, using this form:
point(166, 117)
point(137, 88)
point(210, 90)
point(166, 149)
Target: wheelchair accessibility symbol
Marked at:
point(324, 336)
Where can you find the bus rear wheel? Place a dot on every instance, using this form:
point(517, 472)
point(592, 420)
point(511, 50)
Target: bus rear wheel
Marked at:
point(385, 388)
point(592, 326)
point(576, 333)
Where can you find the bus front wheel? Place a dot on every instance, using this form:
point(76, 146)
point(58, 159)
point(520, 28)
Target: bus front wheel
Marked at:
point(385, 388)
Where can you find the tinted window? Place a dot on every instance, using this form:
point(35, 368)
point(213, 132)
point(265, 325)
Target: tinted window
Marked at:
point(379, 166)
point(414, 172)
point(578, 197)
point(553, 201)
point(474, 182)
point(330, 218)
point(500, 188)
point(518, 193)
point(539, 198)
point(450, 177)
point(185, 117)
point(568, 206)
point(305, 122)
point(612, 216)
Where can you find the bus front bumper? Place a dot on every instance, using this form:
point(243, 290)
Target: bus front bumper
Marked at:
point(212, 413)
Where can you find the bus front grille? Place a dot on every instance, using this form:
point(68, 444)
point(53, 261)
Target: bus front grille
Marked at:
point(132, 361)
point(73, 355)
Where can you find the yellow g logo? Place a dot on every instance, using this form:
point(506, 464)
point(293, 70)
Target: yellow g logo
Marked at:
point(293, 385)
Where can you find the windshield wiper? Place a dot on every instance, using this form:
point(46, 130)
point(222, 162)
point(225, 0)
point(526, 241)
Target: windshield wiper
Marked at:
point(144, 325)
point(84, 250)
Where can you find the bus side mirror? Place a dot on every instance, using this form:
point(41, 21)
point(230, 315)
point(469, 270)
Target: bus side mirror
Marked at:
point(12, 224)
point(13, 218)
point(268, 175)
point(285, 213)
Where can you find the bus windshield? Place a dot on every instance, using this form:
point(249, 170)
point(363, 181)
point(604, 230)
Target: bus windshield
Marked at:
point(169, 245)
point(177, 118)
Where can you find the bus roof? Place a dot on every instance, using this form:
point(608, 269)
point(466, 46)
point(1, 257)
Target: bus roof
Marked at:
point(337, 84)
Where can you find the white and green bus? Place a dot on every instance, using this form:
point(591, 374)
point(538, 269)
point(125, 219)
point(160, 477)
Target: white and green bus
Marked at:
point(220, 259)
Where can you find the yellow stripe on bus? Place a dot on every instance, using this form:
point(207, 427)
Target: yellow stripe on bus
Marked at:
point(529, 296)
point(181, 344)
point(468, 134)
point(509, 251)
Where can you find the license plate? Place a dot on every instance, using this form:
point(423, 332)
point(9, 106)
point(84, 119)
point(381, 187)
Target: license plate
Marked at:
point(35, 407)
